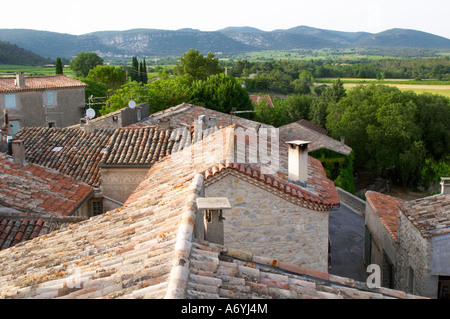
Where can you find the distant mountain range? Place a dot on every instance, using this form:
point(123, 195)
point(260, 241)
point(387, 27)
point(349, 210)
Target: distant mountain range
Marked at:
point(162, 43)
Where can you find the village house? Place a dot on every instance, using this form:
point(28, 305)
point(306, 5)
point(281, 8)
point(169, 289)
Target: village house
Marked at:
point(70, 151)
point(410, 242)
point(162, 242)
point(35, 200)
point(256, 99)
point(53, 101)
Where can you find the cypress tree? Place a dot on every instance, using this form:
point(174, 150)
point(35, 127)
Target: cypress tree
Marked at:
point(59, 66)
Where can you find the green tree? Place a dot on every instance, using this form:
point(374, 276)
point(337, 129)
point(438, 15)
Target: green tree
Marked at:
point(59, 66)
point(304, 82)
point(84, 62)
point(159, 94)
point(113, 77)
point(193, 66)
point(221, 93)
point(298, 106)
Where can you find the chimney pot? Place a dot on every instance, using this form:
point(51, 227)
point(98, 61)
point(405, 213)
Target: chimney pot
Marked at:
point(20, 79)
point(298, 161)
point(18, 152)
point(213, 226)
point(89, 127)
point(445, 185)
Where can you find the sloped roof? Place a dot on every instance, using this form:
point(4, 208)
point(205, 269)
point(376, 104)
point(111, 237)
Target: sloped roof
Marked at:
point(33, 188)
point(40, 83)
point(387, 208)
point(300, 131)
point(137, 147)
point(184, 115)
point(221, 272)
point(67, 150)
point(19, 227)
point(430, 215)
point(257, 98)
point(144, 249)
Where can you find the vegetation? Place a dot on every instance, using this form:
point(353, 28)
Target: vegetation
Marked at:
point(84, 62)
point(58, 66)
point(194, 66)
point(13, 54)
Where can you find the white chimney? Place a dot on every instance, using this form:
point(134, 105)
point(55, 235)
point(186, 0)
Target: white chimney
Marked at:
point(298, 161)
point(213, 226)
point(20, 79)
point(445, 185)
point(18, 152)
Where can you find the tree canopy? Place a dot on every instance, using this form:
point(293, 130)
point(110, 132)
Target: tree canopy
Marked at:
point(194, 66)
point(84, 62)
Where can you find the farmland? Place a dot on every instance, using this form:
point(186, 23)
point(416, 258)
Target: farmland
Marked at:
point(424, 86)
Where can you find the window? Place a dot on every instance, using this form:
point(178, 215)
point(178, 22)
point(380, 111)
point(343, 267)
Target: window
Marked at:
point(10, 101)
point(50, 98)
point(15, 126)
point(97, 208)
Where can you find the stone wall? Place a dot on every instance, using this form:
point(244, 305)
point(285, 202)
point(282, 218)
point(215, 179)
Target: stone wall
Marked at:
point(414, 254)
point(119, 183)
point(268, 225)
point(382, 245)
point(351, 201)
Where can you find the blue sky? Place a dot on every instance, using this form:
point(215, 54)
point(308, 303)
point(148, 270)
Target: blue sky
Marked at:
point(82, 16)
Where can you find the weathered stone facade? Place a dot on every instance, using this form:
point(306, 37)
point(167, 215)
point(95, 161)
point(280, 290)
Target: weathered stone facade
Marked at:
point(118, 184)
point(269, 225)
point(383, 248)
point(414, 261)
point(67, 109)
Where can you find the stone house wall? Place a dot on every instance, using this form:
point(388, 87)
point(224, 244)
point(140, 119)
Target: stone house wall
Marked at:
point(271, 226)
point(31, 111)
point(383, 247)
point(414, 254)
point(119, 183)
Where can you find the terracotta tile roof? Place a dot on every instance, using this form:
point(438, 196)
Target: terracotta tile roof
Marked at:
point(257, 98)
point(300, 131)
point(220, 272)
point(297, 194)
point(17, 228)
point(387, 208)
point(137, 147)
point(312, 126)
point(33, 188)
point(184, 115)
point(68, 150)
point(13, 232)
point(40, 83)
point(430, 215)
point(145, 249)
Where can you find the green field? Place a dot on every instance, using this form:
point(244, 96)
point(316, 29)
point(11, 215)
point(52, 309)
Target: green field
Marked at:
point(10, 70)
point(424, 86)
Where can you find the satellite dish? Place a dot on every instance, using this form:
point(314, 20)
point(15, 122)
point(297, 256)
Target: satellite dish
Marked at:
point(90, 113)
point(132, 104)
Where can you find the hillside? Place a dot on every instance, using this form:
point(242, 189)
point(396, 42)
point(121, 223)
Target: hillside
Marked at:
point(13, 54)
point(163, 43)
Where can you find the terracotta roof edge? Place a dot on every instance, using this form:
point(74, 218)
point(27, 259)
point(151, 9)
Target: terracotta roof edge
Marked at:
point(179, 273)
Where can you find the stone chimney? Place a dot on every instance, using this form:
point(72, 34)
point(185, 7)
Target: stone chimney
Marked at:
point(445, 185)
point(212, 210)
point(298, 162)
point(18, 152)
point(89, 127)
point(163, 124)
point(20, 79)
